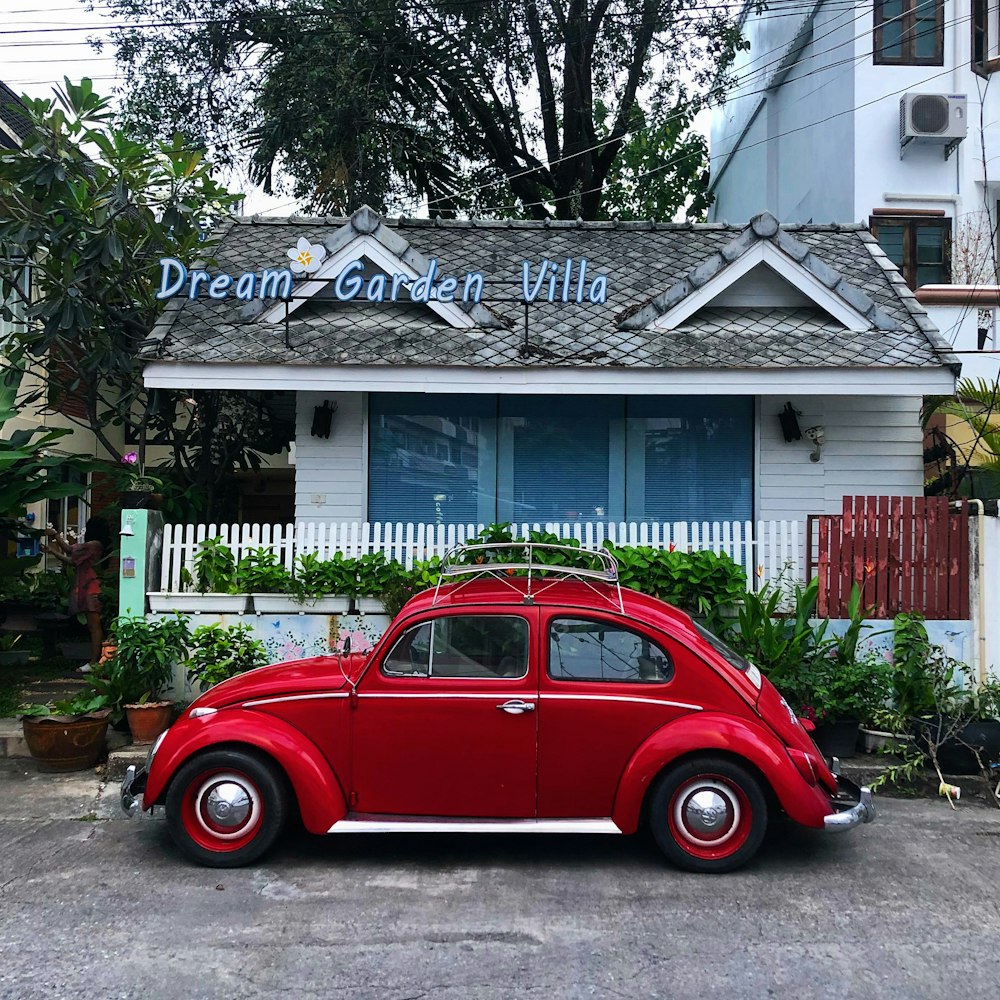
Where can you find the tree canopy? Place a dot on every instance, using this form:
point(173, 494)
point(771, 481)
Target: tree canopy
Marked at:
point(489, 107)
point(90, 210)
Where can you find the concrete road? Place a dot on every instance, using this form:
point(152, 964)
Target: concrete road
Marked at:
point(905, 909)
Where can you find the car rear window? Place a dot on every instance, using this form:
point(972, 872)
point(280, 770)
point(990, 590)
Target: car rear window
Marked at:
point(729, 655)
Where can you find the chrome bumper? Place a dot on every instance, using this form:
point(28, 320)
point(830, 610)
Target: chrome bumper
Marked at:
point(133, 785)
point(861, 811)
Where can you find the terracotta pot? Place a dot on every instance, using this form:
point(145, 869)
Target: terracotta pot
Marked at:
point(66, 743)
point(108, 650)
point(146, 722)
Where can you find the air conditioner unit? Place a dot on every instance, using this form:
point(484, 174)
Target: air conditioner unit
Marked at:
point(932, 119)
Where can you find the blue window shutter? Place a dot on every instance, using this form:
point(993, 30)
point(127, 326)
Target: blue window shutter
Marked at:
point(432, 458)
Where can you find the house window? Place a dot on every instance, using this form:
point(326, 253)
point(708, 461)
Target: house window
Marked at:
point(985, 37)
point(68, 515)
point(920, 246)
point(909, 32)
point(443, 459)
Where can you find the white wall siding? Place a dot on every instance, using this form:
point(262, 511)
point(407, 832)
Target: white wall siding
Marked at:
point(331, 475)
point(873, 446)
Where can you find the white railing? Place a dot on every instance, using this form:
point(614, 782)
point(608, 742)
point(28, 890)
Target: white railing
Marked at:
point(770, 553)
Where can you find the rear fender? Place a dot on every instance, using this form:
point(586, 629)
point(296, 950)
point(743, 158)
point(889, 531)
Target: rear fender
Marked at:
point(708, 732)
point(317, 789)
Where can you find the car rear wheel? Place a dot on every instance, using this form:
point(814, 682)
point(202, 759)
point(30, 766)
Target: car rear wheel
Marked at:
point(708, 814)
point(225, 808)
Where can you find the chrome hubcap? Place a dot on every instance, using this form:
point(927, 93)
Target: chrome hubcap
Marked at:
point(706, 812)
point(226, 806)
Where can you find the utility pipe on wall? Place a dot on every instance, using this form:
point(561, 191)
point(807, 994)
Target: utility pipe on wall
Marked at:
point(980, 585)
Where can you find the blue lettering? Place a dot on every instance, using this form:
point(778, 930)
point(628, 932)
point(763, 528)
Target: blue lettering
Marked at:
point(446, 290)
point(473, 278)
point(198, 278)
point(168, 264)
point(530, 296)
point(599, 289)
point(276, 284)
point(375, 292)
point(348, 289)
point(421, 289)
point(219, 288)
point(397, 280)
point(246, 287)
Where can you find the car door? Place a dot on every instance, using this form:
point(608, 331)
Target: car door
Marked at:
point(446, 720)
point(605, 686)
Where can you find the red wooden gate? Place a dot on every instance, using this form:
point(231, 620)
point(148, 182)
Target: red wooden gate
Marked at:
point(906, 554)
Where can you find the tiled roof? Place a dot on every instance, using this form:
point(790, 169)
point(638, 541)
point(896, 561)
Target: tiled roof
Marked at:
point(650, 267)
point(10, 116)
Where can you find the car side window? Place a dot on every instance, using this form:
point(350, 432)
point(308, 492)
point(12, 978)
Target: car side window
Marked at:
point(411, 656)
point(585, 650)
point(469, 646)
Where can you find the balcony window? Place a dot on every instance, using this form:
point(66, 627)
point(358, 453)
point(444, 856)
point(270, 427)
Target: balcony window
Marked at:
point(909, 32)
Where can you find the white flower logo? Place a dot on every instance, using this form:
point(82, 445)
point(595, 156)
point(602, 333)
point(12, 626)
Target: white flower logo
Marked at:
point(306, 257)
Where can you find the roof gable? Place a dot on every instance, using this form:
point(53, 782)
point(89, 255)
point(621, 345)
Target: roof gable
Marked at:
point(365, 237)
point(763, 244)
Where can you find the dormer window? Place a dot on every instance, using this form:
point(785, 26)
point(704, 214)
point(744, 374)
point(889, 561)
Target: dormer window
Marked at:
point(909, 32)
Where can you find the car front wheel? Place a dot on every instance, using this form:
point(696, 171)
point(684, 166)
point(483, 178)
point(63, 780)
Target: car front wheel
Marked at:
point(225, 808)
point(708, 814)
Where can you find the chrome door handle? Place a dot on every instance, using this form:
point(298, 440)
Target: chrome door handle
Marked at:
point(517, 707)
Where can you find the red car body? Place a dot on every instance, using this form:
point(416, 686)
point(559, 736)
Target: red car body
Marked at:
point(363, 745)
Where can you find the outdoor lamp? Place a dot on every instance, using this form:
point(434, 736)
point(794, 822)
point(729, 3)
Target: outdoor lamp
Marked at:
point(127, 528)
point(790, 423)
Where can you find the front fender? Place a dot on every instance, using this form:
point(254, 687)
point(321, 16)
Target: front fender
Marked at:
point(319, 792)
point(707, 732)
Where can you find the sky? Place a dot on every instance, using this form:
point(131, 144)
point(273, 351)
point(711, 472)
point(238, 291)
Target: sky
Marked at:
point(40, 45)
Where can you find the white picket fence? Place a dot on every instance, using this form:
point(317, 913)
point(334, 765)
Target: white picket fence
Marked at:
point(770, 553)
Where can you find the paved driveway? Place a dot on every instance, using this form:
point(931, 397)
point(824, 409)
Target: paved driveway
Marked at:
point(904, 909)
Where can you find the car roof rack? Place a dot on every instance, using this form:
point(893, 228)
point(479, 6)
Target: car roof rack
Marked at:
point(476, 561)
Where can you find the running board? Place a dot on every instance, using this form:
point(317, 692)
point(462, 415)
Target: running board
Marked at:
point(407, 824)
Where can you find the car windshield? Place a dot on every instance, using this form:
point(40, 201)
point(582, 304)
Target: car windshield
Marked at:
point(729, 655)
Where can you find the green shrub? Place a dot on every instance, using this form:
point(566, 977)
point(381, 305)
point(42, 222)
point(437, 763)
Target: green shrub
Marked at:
point(218, 653)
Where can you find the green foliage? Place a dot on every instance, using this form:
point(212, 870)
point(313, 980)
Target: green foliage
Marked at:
point(912, 681)
point(366, 102)
point(698, 582)
point(260, 572)
point(88, 702)
point(144, 661)
point(8, 640)
point(215, 568)
point(218, 653)
point(778, 643)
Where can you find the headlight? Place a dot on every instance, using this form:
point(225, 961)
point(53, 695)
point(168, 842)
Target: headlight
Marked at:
point(153, 749)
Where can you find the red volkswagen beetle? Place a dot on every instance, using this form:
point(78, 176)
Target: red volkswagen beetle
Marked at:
point(516, 699)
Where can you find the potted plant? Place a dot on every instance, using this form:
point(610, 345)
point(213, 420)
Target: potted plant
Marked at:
point(374, 573)
point(217, 653)
point(954, 721)
point(143, 668)
point(325, 586)
point(140, 489)
point(67, 735)
point(9, 653)
point(213, 587)
point(269, 584)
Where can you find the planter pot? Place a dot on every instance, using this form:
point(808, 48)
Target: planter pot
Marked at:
point(955, 755)
point(370, 606)
point(66, 743)
point(283, 604)
point(837, 739)
point(730, 610)
point(146, 722)
point(13, 657)
point(141, 500)
point(874, 740)
point(166, 602)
